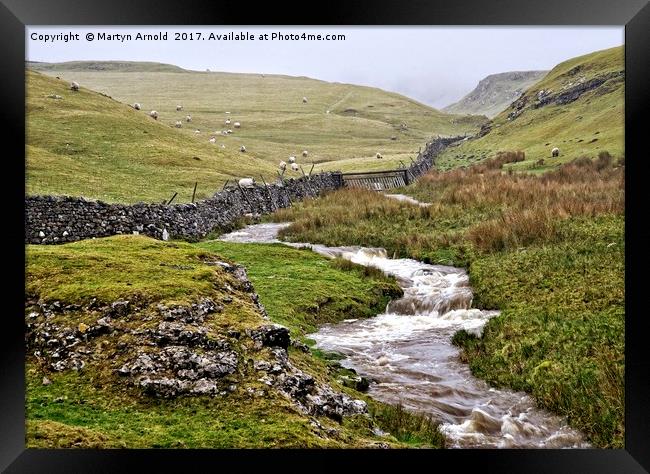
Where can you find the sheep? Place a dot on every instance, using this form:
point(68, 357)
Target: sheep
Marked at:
point(283, 165)
point(188, 118)
point(242, 149)
point(197, 131)
point(136, 106)
point(228, 131)
point(294, 167)
point(247, 182)
point(213, 140)
point(227, 121)
point(178, 124)
point(555, 152)
point(74, 86)
point(153, 114)
point(223, 146)
point(179, 108)
point(237, 124)
point(224, 132)
point(305, 153)
point(227, 113)
point(292, 159)
point(379, 156)
point(304, 100)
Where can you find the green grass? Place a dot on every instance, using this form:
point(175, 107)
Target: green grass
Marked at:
point(94, 408)
point(86, 144)
point(304, 290)
point(591, 124)
point(112, 158)
point(120, 267)
point(547, 251)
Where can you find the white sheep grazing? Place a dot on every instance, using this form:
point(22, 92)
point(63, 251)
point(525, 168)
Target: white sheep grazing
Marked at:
point(555, 151)
point(247, 182)
point(153, 114)
point(305, 153)
point(227, 113)
point(242, 149)
point(237, 125)
point(227, 121)
point(197, 131)
point(379, 156)
point(74, 86)
point(213, 140)
point(188, 118)
point(136, 106)
point(292, 159)
point(179, 108)
point(294, 167)
point(224, 132)
point(228, 131)
point(178, 124)
point(283, 165)
point(304, 100)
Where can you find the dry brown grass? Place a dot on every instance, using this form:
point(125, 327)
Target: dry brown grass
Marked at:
point(529, 206)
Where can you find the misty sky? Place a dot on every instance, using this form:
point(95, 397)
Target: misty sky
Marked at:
point(435, 65)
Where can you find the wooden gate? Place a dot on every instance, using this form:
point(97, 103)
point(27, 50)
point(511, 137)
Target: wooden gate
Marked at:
point(377, 180)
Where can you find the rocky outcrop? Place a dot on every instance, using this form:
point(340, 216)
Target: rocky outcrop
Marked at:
point(495, 93)
point(572, 90)
point(180, 350)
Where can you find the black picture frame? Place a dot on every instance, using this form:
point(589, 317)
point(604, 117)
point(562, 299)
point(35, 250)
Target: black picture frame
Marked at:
point(15, 14)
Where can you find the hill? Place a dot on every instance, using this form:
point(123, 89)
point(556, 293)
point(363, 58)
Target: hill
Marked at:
point(275, 123)
point(578, 107)
point(123, 66)
point(87, 144)
point(495, 92)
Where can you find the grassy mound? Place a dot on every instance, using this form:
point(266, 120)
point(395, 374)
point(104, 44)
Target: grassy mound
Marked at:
point(93, 407)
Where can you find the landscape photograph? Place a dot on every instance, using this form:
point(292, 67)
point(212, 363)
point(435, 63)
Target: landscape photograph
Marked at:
point(324, 237)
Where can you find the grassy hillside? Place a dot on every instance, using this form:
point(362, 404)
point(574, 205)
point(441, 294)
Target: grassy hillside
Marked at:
point(495, 93)
point(94, 407)
point(592, 123)
point(275, 123)
point(548, 251)
point(86, 144)
point(124, 66)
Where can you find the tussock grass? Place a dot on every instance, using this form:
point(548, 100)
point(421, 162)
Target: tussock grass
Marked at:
point(408, 426)
point(548, 251)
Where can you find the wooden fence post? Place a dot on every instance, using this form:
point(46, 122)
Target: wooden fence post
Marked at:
point(268, 190)
point(248, 200)
point(170, 201)
point(194, 192)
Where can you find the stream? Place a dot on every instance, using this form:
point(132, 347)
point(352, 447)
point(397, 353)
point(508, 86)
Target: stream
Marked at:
point(407, 353)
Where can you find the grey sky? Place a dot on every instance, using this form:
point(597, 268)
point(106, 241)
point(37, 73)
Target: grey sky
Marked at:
point(435, 65)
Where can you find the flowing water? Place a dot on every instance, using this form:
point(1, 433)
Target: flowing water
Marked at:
point(407, 353)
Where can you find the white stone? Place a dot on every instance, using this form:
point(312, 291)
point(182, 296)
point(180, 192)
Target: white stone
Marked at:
point(165, 234)
point(41, 234)
point(65, 233)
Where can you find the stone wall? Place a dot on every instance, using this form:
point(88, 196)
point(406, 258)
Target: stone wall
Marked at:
point(427, 158)
point(59, 219)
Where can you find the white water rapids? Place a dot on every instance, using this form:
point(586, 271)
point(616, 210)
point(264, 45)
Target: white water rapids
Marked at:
point(407, 353)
